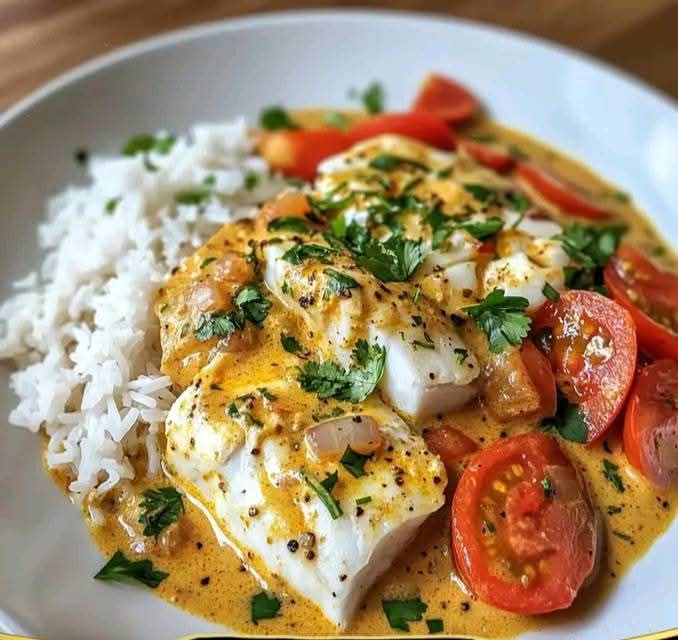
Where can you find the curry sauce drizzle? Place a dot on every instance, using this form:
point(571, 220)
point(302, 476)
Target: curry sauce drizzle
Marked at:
point(209, 580)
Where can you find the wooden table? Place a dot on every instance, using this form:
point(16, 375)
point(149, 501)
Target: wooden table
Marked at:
point(42, 38)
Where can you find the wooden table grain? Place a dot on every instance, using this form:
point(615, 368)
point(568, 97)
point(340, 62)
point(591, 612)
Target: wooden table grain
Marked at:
point(40, 39)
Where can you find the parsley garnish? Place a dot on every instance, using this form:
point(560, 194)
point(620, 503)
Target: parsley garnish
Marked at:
point(251, 180)
point(222, 324)
point(547, 485)
point(339, 283)
point(120, 569)
point(569, 421)
point(160, 508)
point(323, 490)
point(461, 354)
point(288, 223)
point(435, 625)
point(393, 260)
point(482, 229)
point(145, 143)
point(372, 98)
point(354, 462)
point(329, 380)
point(622, 535)
point(275, 118)
point(207, 261)
point(290, 344)
point(263, 607)
point(502, 318)
point(550, 293)
point(611, 473)
point(300, 252)
point(112, 205)
point(400, 612)
point(490, 526)
point(197, 195)
point(389, 162)
point(481, 193)
point(253, 303)
point(336, 120)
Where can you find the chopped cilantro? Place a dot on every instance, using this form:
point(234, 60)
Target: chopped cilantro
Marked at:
point(354, 462)
point(328, 380)
point(435, 625)
point(461, 354)
point(611, 473)
point(160, 508)
point(146, 143)
point(290, 344)
point(112, 205)
point(622, 535)
point(197, 195)
point(288, 223)
point(251, 180)
point(502, 318)
point(550, 293)
point(569, 421)
point(253, 303)
point(482, 229)
point(591, 246)
point(389, 162)
point(339, 283)
point(480, 192)
point(372, 97)
point(393, 260)
point(222, 324)
point(336, 120)
point(400, 612)
point(300, 252)
point(120, 569)
point(207, 261)
point(263, 607)
point(547, 485)
point(490, 526)
point(323, 490)
point(275, 118)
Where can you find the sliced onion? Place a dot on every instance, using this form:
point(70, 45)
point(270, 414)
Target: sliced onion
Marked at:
point(330, 439)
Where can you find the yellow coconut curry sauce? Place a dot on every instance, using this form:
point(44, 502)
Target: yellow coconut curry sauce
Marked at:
point(208, 579)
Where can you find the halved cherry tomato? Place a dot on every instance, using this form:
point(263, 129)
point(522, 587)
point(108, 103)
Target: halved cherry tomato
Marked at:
point(651, 423)
point(288, 204)
point(450, 444)
point(425, 127)
point(446, 98)
point(591, 342)
point(539, 369)
point(487, 155)
point(651, 297)
point(565, 195)
point(298, 153)
point(523, 529)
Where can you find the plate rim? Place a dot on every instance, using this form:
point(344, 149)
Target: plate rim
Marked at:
point(203, 29)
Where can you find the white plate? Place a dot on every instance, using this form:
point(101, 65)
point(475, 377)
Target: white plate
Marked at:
point(626, 131)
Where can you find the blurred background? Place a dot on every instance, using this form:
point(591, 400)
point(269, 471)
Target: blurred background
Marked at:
point(40, 39)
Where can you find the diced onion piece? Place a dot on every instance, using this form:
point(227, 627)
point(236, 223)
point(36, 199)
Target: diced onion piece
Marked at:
point(330, 439)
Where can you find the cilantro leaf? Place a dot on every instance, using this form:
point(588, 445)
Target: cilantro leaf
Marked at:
point(550, 293)
point(569, 421)
point(336, 120)
point(288, 223)
point(263, 607)
point(160, 508)
point(275, 118)
point(372, 97)
point(340, 283)
point(328, 380)
point(120, 569)
point(482, 229)
point(323, 490)
point(502, 318)
point(611, 473)
point(290, 344)
point(480, 192)
point(389, 162)
point(300, 252)
point(354, 462)
point(400, 612)
point(547, 486)
point(222, 324)
point(393, 260)
point(145, 143)
point(435, 625)
point(591, 246)
point(253, 303)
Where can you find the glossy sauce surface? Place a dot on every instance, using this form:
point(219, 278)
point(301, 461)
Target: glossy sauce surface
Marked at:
point(209, 580)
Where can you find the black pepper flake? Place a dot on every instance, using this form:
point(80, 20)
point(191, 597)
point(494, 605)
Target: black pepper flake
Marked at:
point(255, 452)
point(400, 480)
point(465, 606)
point(205, 581)
point(359, 511)
point(253, 511)
point(437, 480)
point(342, 577)
point(503, 434)
point(292, 546)
point(199, 545)
point(310, 554)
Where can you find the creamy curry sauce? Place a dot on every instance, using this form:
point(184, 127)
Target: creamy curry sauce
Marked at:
point(208, 579)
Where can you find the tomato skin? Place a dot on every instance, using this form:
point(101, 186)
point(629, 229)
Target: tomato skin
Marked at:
point(661, 287)
point(424, 127)
point(298, 153)
point(446, 98)
point(540, 372)
point(559, 531)
point(651, 423)
point(560, 193)
point(599, 388)
point(450, 444)
point(487, 155)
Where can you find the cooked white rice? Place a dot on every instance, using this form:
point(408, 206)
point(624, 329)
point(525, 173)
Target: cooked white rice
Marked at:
point(82, 332)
